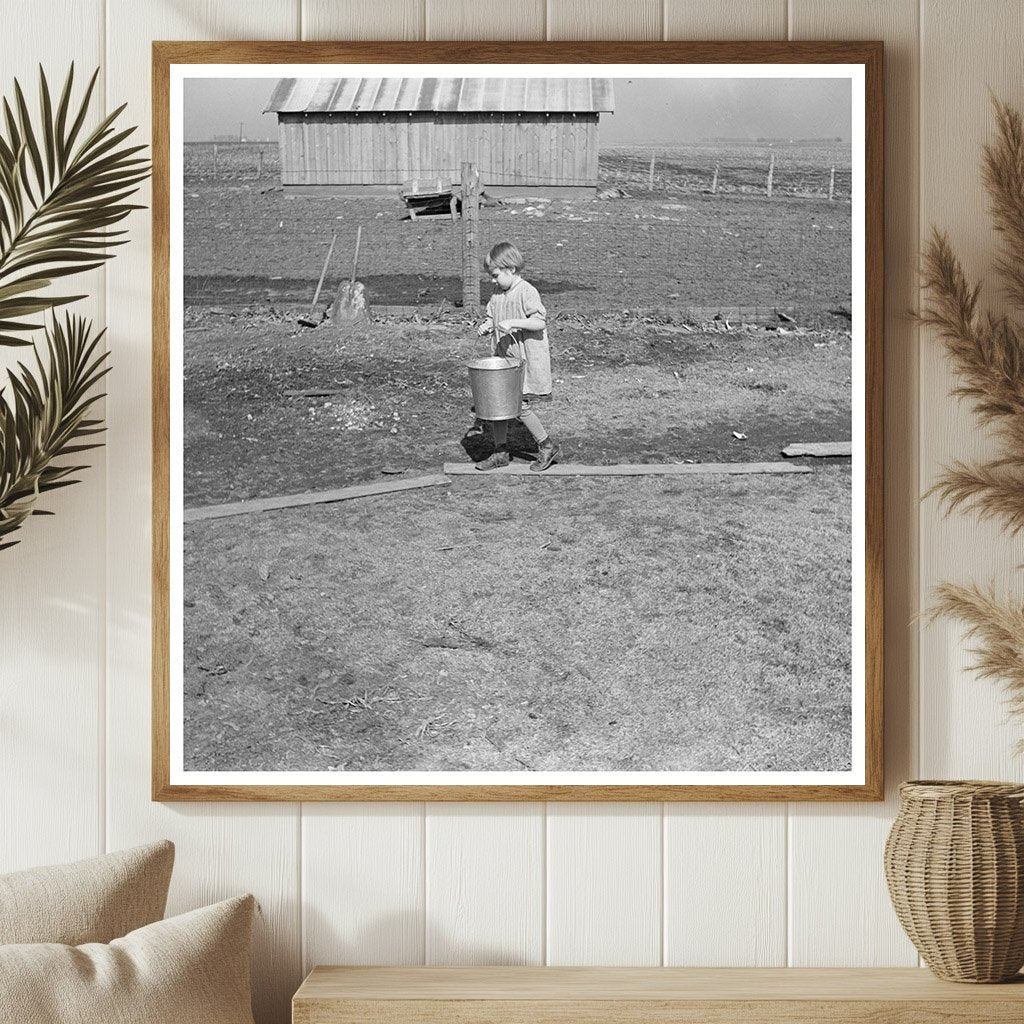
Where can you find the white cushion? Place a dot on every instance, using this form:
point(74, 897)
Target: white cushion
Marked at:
point(190, 969)
point(92, 900)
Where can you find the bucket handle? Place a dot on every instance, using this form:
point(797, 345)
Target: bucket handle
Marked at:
point(498, 335)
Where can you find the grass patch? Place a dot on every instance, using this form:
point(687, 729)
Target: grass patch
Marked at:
point(642, 624)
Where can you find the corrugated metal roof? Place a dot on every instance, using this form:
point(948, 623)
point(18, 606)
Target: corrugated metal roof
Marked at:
point(461, 95)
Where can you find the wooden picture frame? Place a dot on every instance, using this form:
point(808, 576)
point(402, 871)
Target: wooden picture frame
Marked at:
point(862, 64)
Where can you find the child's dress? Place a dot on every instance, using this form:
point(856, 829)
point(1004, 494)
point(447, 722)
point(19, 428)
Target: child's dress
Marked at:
point(521, 302)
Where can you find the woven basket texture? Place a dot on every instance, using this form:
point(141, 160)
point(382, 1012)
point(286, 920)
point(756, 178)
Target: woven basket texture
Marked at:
point(954, 862)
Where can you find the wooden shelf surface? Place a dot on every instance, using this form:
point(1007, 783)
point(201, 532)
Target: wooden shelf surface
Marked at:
point(594, 995)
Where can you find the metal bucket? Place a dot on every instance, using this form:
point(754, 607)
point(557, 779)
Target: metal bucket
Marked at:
point(497, 385)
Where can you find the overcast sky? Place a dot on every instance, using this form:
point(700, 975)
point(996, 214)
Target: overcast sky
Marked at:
point(647, 110)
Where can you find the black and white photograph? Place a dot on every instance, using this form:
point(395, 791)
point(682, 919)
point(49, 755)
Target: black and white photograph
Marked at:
point(518, 421)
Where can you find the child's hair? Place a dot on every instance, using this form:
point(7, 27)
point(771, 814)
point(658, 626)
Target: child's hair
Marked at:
point(504, 255)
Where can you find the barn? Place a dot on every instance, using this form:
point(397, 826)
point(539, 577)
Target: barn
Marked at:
point(373, 135)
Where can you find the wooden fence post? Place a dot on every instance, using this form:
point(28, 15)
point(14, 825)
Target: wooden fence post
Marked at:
point(771, 175)
point(470, 240)
point(215, 159)
point(714, 181)
point(259, 170)
point(650, 177)
point(832, 185)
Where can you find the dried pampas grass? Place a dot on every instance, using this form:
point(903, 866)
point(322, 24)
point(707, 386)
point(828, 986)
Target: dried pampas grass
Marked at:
point(987, 353)
point(995, 629)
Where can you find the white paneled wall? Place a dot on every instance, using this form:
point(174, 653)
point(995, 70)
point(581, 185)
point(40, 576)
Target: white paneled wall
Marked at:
point(742, 884)
point(963, 729)
point(53, 585)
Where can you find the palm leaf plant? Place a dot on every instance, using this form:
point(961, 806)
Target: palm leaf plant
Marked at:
point(987, 355)
point(63, 190)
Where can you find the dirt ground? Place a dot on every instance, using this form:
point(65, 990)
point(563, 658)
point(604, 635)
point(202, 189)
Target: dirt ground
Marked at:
point(627, 389)
point(514, 624)
point(700, 622)
point(247, 242)
point(569, 624)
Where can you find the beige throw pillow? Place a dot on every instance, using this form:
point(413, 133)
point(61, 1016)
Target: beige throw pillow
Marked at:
point(190, 969)
point(92, 900)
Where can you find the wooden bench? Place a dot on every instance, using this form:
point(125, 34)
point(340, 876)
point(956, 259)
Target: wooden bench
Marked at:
point(647, 995)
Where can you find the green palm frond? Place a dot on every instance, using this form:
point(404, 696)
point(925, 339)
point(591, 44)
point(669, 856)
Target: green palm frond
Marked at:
point(45, 418)
point(62, 191)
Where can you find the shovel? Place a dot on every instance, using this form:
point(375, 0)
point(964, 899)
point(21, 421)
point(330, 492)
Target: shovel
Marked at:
point(307, 320)
point(350, 307)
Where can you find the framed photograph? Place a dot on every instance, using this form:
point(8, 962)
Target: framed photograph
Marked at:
point(517, 421)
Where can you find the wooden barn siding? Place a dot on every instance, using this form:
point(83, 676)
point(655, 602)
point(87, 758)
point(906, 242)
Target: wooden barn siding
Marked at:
point(509, 149)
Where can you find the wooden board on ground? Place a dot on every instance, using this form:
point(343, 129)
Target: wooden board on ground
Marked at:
point(630, 469)
point(240, 508)
point(819, 449)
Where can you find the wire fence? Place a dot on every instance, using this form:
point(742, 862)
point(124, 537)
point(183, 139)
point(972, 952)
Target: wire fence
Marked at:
point(677, 246)
point(804, 170)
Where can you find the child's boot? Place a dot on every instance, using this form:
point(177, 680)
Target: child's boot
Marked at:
point(547, 453)
point(478, 425)
point(496, 460)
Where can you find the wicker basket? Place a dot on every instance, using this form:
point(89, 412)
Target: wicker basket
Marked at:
point(954, 861)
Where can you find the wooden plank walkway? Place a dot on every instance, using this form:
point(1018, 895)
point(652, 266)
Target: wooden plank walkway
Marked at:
point(241, 508)
point(627, 469)
point(819, 449)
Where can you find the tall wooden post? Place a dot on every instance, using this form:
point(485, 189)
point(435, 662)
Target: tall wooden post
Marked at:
point(832, 185)
point(215, 159)
point(259, 170)
point(714, 181)
point(470, 239)
point(771, 175)
point(650, 177)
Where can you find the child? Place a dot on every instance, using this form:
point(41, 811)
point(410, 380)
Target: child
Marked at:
point(521, 320)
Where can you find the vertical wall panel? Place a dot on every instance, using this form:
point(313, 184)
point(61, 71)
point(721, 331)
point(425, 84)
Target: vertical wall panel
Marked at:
point(836, 852)
point(362, 884)
point(395, 127)
point(965, 52)
point(382, 19)
point(466, 20)
point(222, 848)
point(726, 19)
point(725, 885)
point(554, 149)
point(51, 583)
point(286, 150)
point(485, 884)
point(489, 141)
point(375, 129)
point(335, 148)
point(604, 881)
point(604, 19)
